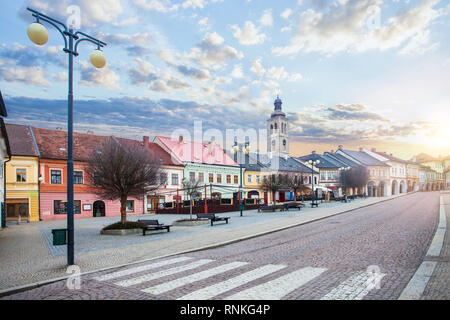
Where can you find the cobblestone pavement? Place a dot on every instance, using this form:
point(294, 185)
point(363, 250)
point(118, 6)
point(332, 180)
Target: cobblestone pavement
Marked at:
point(368, 253)
point(438, 287)
point(28, 256)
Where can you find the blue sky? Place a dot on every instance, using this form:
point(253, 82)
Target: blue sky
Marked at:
point(371, 73)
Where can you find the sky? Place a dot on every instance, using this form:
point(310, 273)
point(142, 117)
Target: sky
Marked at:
point(357, 73)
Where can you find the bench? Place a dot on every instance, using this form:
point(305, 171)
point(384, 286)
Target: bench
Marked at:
point(212, 217)
point(271, 208)
point(153, 225)
point(314, 203)
point(292, 205)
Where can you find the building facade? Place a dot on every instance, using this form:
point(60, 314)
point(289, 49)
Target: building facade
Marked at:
point(5, 153)
point(22, 175)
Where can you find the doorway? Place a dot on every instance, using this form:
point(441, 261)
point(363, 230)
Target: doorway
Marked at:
point(17, 209)
point(98, 209)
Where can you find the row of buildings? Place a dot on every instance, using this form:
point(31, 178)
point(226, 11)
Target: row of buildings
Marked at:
point(34, 171)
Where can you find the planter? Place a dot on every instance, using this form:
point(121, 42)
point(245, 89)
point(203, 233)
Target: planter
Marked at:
point(189, 223)
point(121, 232)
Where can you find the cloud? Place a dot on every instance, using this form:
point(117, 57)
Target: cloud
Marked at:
point(212, 53)
point(156, 5)
point(249, 35)
point(194, 4)
point(352, 112)
point(286, 13)
point(355, 26)
point(266, 19)
point(105, 77)
point(198, 74)
point(27, 75)
point(142, 73)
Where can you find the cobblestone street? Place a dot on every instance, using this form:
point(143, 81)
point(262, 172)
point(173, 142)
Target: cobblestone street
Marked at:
point(367, 253)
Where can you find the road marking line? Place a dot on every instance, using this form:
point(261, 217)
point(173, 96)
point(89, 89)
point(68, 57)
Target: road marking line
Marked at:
point(146, 267)
point(355, 287)
point(162, 273)
point(167, 286)
point(224, 286)
point(278, 288)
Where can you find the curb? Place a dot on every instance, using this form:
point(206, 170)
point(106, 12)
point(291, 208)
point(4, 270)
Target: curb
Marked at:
point(18, 289)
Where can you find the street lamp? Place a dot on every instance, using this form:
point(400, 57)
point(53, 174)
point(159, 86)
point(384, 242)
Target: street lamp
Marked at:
point(39, 35)
point(344, 173)
point(234, 150)
point(313, 163)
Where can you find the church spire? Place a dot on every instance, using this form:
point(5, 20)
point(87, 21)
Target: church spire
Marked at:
point(277, 103)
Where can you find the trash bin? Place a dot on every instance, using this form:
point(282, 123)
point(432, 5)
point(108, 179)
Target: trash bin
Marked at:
point(59, 237)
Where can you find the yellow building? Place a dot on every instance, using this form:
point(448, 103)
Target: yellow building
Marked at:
point(22, 175)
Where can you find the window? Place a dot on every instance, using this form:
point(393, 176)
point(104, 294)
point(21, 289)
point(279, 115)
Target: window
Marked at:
point(201, 177)
point(258, 178)
point(249, 178)
point(60, 206)
point(315, 180)
point(228, 178)
point(55, 176)
point(175, 178)
point(211, 178)
point(192, 176)
point(163, 178)
point(322, 176)
point(96, 179)
point(21, 175)
point(236, 179)
point(78, 177)
point(130, 205)
point(219, 178)
point(265, 178)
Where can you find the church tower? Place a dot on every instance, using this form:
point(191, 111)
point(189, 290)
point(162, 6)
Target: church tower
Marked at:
point(278, 132)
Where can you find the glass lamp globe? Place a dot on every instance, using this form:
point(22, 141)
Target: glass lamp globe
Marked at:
point(37, 33)
point(318, 161)
point(98, 59)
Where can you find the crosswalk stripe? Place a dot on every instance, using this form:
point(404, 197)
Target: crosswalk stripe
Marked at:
point(279, 287)
point(355, 287)
point(146, 267)
point(170, 285)
point(162, 273)
point(221, 287)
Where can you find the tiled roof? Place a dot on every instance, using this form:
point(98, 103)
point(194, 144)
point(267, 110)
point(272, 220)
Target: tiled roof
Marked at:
point(53, 145)
point(189, 151)
point(325, 161)
point(390, 157)
point(21, 140)
point(340, 160)
point(284, 164)
point(363, 158)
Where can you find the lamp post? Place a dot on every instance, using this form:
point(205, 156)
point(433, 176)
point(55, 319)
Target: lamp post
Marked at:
point(39, 35)
point(236, 148)
point(344, 173)
point(313, 163)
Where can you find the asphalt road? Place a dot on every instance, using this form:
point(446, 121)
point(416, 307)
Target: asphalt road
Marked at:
point(368, 253)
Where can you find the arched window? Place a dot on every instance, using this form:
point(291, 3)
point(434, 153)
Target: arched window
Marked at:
point(276, 126)
point(271, 128)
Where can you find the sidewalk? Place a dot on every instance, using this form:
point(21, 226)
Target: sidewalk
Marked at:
point(27, 255)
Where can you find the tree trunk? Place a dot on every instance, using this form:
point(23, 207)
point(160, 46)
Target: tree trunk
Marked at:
point(123, 209)
point(190, 208)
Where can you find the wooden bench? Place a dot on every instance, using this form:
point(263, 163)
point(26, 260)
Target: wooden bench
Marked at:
point(292, 205)
point(212, 217)
point(153, 225)
point(271, 208)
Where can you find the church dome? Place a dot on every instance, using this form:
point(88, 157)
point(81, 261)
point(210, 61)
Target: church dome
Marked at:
point(277, 110)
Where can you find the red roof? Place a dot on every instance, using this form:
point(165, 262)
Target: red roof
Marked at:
point(53, 145)
point(21, 140)
point(189, 151)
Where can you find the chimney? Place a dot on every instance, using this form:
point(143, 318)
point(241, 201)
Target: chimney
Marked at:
point(332, 151)
point(340, 147)
point(180, 139)
point(373, 150)
point(360, 149)
point(209, 146)
point(90, 132)
point(146, 141)
point(391, 155)
point(257, 155)
point(313, 152)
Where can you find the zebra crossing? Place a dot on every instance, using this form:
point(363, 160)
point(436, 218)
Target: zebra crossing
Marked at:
point(188, 272)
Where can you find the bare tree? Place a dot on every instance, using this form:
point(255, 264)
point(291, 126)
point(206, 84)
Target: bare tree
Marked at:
point(296, 183)
point(190, 188)
point(272, 184)
point(121, 170)
point(356, 177)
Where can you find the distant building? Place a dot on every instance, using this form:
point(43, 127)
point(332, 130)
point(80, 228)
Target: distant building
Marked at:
point(278, 132)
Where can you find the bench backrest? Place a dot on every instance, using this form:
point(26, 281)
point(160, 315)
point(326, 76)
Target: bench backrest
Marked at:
point(206, 215)
point(149, 222)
